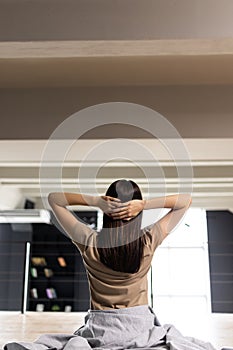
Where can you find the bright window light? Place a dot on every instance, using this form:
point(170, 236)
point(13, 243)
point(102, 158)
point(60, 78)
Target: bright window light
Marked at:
point(180, 270)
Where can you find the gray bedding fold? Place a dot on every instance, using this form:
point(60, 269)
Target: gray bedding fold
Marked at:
point(128, 328)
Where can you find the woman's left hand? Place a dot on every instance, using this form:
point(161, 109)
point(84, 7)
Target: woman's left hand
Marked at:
point(107, 204)
point(128, 210)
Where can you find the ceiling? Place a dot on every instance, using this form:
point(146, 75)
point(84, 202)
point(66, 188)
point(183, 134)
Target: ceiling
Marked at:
point(36, 96)
point(30, 169)
point(70, 63)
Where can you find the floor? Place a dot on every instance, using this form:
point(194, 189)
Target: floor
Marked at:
point(217, 328)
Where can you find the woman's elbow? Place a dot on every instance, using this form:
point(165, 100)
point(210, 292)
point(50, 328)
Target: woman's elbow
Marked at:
point(190, 201)
point(51, 197)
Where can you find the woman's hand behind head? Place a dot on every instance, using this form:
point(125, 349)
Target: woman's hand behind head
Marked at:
point(127, 210)
point(107, 204)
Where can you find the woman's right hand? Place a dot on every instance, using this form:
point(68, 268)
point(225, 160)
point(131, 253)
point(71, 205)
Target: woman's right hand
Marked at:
point(128, 210)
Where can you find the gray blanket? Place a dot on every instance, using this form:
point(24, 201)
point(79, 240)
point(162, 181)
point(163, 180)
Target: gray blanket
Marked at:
point(128, 328)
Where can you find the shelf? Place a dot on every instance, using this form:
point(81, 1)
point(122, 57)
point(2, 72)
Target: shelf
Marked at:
point(67, 283)
point(116, 63)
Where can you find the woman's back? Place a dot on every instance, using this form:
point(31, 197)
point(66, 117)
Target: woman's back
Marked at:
point(110, 289)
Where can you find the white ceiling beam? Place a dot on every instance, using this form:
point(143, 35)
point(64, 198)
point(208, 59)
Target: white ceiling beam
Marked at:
point(30, 152)
point(213, 180)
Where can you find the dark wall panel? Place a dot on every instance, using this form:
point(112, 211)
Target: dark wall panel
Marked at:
point(12, 256)
point(220, 237)
point(48, 242)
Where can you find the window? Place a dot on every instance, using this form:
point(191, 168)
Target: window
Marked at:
point(180, 270)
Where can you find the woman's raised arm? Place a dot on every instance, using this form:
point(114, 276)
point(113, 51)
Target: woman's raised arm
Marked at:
point(178, 203)
point(59, 200)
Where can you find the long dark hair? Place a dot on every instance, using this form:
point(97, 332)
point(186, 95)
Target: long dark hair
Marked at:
point(120, 242)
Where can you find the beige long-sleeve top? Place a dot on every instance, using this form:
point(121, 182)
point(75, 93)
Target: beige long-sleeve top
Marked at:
point(114, 289)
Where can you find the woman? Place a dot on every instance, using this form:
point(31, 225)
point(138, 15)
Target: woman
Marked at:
point(122, 206)
point(117, 260)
